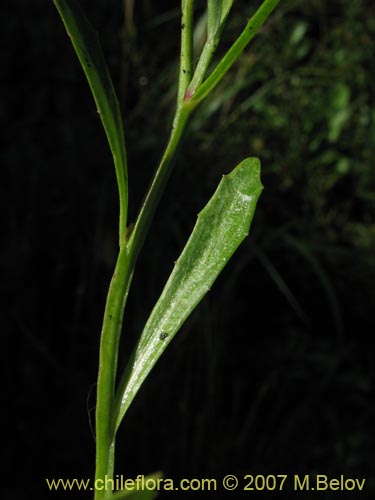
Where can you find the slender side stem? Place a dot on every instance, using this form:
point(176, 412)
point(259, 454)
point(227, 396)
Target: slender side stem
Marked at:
point(109, 342)
point(182, 114)
point(252, 27)
point(186, 57)
point(202, 66)
point(213, 36)
point(157, 186)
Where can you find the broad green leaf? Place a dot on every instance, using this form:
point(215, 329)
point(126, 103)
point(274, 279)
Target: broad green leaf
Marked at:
point(150, 481)
point(87, 47)
point(220, 228)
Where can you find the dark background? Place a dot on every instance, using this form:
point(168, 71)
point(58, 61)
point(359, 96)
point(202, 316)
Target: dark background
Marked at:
point(274, 371)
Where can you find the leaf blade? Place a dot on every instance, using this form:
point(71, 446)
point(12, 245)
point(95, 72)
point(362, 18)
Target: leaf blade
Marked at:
point(213, 17)
point(220, 228)
point(225, 9)
point(87, 47)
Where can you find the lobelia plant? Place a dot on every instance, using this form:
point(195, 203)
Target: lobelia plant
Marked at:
point(220, 228)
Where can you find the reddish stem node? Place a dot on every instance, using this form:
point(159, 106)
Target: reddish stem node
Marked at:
point(188, 94)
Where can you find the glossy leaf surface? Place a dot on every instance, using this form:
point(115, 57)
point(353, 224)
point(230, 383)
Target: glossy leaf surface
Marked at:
point(221, 227)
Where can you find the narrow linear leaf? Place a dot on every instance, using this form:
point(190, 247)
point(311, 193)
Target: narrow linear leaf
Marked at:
point(250, 30)
point(226, 5)
point(87, 47)
point(213, 17)
point(217, 13)
point(221, 226)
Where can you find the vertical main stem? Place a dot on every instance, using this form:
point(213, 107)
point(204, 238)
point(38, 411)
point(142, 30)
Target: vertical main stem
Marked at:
point(105, 419)
point(109, 343)
point(114, 310)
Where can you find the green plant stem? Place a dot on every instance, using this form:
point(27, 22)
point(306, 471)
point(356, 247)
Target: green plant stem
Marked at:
point(250, 30)
point(109, 342)
point(186, 57)
point(114, 310)
point(213, 35)
point(120, 284)
point(157, 185)
point(164, 169)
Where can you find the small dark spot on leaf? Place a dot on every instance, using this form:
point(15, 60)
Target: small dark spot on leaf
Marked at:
point(163, 335)
point(182, 26)
point(184, 70)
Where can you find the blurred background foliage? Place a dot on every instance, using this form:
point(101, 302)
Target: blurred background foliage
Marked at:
point(274, 372)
